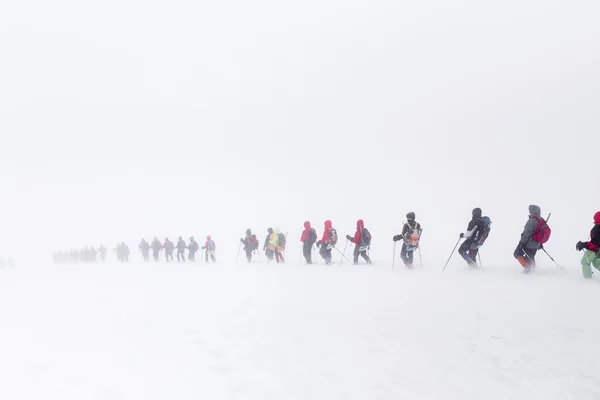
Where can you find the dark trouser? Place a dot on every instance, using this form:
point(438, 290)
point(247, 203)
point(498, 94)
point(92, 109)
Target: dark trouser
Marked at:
point(325, 253)
point(212, 257)
point(307, 252)
point(406, 255)
point(180, 256)
point(528, 255)
point(269, 253)
point(469, 251)
point(146, 255)
point(363, 254)
point(155, 255)
point(169, 255)
point(248, 255)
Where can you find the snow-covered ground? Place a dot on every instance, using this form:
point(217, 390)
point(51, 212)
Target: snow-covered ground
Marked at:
point(296, 332)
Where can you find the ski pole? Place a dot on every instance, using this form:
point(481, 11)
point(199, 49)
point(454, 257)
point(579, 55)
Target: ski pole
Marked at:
point(480, 263)
point(345, 245)
point(559, 267)
point(238, 253)
point(451, 254)
point(394, 256)
point(343, 255)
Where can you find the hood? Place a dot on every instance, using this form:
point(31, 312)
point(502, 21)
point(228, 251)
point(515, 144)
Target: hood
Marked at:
point(166, 239)
point(208, 237)
point(410, 216)
point(248, 232)
point(535, 211)
point(328, 224)
point(180, 238)
point(360, 224)
point(277, 231)
point(477, 213)
point(307, 225)
point(597, 218)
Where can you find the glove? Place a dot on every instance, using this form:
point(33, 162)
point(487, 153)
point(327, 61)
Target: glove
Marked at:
point(462, 235)
point(242, 240)
point(319, 243)
point(580, 246)
point(397, 238)
point(541, 246)
point(349, 237)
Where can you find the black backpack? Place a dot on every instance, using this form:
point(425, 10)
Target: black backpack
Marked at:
point(282, 240)
point(483, 230)
point(365, 238)
point(312, 237)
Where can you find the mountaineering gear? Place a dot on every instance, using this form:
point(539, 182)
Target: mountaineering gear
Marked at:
point(308, 238)
point(280, 247)
point(169, 248)
point(411, 234)
point(591, 255)
point(477, 232)
point(327, 242)
point(210, 248)
point(156, 248)
point(273, 241)
point(536, 230)
point(451, 254)
point(269, 252)
point(144, 248)
point(193, 247)
point(362, 241)
point(181, 249)
point(250, 244)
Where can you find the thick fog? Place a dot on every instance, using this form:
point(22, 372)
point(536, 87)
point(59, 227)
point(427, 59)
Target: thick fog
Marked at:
point(128, 119)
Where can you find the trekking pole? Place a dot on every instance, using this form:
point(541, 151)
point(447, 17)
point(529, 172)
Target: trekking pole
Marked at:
point(559, 267)
point(451, 254)
point(345, 245)
point(394, 257)
point(238, 253)
point(343, 255)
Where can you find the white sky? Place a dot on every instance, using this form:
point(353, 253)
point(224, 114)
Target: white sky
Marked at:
point(123, 119)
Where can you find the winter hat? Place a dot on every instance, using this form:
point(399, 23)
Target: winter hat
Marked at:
point(248, 232)
point(270, 230)
point(410, 216)
point(477, 213)
point(597, 218)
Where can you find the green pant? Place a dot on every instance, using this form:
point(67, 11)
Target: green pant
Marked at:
point(589, 257)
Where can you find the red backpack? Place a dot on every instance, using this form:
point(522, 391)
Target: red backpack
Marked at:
point(542, 231)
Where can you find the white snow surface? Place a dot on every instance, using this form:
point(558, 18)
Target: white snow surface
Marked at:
point(261, 331)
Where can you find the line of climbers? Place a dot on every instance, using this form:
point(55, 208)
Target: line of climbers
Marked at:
point(275, 243)
point(86, 255)
point(169, 248)
point(535, 234)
